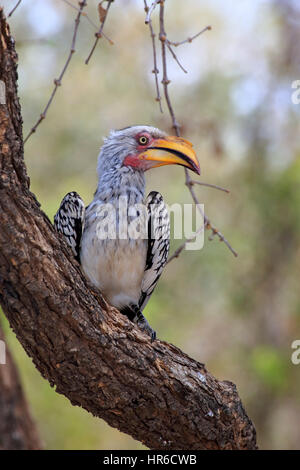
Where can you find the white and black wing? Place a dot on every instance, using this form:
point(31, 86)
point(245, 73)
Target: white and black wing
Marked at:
point(158, 244)
point(69, 220)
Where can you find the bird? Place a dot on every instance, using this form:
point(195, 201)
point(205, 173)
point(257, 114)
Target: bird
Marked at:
point(125, 265)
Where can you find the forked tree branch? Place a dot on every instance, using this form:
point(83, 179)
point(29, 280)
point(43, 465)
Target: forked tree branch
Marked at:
point(165, 43)
point(190, 39)
point(94, 355)
point(155, 69)
point(99, 33)
point(58, 81)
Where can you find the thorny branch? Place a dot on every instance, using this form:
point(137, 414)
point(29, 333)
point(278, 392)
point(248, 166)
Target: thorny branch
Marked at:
point(175, 56)
point(188, 181)
point(209, 185)
point(207, 223)
point(169, 43)
point(88, 19)
point(173, 43)
point(82, 13)
point(150, 10)
point(14, 8)
point(99, 33)
point(155, 69)
point(57, 81)
point(183, 245)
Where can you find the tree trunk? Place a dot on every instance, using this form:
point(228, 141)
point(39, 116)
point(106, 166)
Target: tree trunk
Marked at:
point(17, 429)
point(94, 355)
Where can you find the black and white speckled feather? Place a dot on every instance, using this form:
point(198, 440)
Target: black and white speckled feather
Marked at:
point(158, 245)
point(69, 221)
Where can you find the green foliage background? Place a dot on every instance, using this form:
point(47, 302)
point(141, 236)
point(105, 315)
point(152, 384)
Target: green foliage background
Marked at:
point(239, 316)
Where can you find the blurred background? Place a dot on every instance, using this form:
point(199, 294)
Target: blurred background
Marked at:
point(238, 315)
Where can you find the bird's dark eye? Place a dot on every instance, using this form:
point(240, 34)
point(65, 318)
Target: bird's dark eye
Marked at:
point(143, 140)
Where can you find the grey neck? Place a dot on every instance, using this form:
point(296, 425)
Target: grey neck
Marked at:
point(115, 179)
point(121, 181)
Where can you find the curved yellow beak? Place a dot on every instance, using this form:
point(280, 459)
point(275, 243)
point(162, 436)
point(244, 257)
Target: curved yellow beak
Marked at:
point(171, 151)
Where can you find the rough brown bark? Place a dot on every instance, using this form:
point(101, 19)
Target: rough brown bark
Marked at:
point(17, 429)
point(93, 354)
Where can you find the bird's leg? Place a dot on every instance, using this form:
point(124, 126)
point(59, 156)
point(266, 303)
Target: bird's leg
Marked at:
point(135, 315)
point(141, 321)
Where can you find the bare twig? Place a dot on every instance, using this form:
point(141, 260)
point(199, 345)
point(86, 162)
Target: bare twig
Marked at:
point(14, 8)
point(183, 245)
point(82, 14)
point(57, 81)
point(165, 80)
point(100, 33)
point(207, 223)
point(173, 43)
point(175, 56)
point(209, 185)
point(150, 10)
point(155, 69)
point(188, 181)
point(88, 19)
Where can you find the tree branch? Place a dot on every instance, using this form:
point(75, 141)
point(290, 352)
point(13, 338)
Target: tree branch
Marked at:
point(150, 10)
point(94, 355)
point(58, 81)
point(14, 8)
point(155, 69)
point(209, 185)
point(100, 33)
point(191, 39)
point(176, 126)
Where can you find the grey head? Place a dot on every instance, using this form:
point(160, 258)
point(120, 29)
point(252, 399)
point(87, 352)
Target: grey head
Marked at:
point(121, 143)
point(127, 153)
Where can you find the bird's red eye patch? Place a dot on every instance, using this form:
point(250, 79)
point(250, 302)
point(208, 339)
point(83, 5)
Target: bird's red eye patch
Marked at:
point(143, 139)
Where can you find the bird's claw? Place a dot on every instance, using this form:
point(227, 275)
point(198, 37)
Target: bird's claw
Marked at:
point(144, 326)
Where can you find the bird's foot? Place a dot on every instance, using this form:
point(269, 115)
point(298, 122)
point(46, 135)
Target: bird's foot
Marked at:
point(144, 326)
point(135, 315)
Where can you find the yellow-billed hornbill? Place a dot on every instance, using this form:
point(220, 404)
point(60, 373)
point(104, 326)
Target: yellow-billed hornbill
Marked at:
point(124, 267)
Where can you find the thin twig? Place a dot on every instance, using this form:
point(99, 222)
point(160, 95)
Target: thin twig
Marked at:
point(150, 10)
point(183, 245)
point(82, 14)
point(207, 223)
point(175, 57)
point(88, 19)
point(155, 69)
point(99, 33)
point(57, 81)
point(165, 81)
point(209, 185)
point(14, 8)
point(173, 43)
